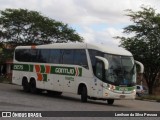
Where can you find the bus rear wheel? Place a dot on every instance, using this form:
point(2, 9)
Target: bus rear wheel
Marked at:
point(33, 88)
point(110, 101)
point(84, 94)
point(25, 85)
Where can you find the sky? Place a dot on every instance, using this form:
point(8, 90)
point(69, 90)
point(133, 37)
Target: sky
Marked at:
point(97, 21)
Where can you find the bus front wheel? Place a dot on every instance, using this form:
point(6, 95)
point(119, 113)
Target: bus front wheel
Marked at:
point(110, 101)
point(84, 94)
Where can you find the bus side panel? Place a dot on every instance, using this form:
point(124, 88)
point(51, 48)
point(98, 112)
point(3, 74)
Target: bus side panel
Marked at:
point(54, 82)
point(16, 77)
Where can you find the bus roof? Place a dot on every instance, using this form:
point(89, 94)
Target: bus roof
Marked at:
point(99, 47)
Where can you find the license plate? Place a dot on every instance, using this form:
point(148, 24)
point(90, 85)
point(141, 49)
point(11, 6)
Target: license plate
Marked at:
point(122, 96)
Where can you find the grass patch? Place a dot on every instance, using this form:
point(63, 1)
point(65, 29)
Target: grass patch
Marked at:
point(4, 79)
point(149, 97)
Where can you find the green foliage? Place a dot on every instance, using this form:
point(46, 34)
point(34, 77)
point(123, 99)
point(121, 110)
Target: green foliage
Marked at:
point(5, 53)
point(149, 97)
point(24, 27)
point(144, 42)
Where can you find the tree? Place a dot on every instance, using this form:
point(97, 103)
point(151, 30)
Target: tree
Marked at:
point(145, 41)
point(6, 54)
point(24, 27)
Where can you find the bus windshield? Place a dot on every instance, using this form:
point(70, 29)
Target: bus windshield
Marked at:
point(121, 70)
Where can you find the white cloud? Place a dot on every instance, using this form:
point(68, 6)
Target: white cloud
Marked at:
point(85, 13)
point(102, 37)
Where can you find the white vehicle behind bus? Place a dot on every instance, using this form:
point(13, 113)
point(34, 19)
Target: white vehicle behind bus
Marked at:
point(93, 71)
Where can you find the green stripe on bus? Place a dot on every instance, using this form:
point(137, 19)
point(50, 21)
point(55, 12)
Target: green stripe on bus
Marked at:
point(21, 67)
point(71, 71)
point(80, 71)
point(44, 77)
point(31, 68)
point(42, 69)
point(124, 88)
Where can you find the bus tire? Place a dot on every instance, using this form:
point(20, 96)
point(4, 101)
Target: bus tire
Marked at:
point(33, 88)
point(110, 101)
point(25, 85)
point(84, 94)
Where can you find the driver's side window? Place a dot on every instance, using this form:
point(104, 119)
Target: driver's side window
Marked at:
point(99, 70)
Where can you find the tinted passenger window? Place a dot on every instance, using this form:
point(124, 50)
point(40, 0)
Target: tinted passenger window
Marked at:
point(80, 58)
point(55, 56)
point(92, 54)
point(68, 56)
point(33, 55)
point(18, 54)
point(23, 55)
point(43, 55)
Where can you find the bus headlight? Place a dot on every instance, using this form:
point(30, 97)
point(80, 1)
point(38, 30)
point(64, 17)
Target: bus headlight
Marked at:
point(112, 87)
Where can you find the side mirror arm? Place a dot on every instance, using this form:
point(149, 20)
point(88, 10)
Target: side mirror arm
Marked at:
point(105, 61)
point(141, 66)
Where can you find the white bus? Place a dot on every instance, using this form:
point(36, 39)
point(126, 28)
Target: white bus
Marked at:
point(93, 71)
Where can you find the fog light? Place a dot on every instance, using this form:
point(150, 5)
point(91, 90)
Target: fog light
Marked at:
point(106, 94)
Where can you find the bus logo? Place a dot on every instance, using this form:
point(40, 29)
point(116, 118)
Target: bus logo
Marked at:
point(64, 71)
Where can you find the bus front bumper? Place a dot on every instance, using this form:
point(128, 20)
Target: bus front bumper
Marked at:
point(114, 95)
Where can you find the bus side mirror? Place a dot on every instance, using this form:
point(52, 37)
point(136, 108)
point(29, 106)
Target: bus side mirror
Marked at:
point(141, 66)
point(105, 61)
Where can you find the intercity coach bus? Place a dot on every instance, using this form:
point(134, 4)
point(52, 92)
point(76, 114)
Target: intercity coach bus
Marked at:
point(93, 71)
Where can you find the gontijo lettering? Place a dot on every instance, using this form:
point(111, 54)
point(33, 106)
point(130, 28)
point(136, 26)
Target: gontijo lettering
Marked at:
point(64, 70)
